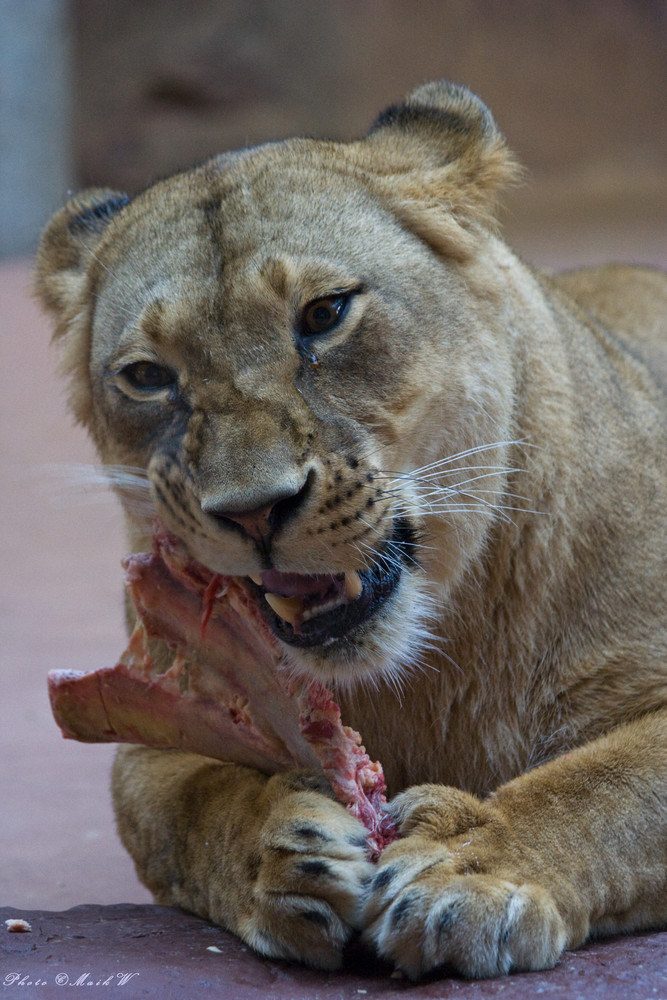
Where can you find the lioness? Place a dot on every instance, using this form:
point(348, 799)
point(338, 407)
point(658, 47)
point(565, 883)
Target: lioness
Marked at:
point(327, 362)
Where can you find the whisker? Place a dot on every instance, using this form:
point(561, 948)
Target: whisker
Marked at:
point(70, 483)
point(468, 453)
point(417, 477)
point(456, 489)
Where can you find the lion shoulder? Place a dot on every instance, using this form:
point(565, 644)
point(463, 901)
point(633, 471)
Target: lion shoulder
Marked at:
point(629, 301)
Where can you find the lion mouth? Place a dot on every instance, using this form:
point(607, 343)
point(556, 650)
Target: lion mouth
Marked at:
point(317, 610)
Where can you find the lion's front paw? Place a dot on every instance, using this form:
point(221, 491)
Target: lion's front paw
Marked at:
point(447, 894)
point(309, 878)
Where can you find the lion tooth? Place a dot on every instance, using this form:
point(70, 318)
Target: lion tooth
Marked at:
point(353, 585)
point(286, 608)
point(256, 578)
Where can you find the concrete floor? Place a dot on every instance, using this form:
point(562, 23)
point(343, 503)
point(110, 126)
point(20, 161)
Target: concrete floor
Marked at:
point(60, 607)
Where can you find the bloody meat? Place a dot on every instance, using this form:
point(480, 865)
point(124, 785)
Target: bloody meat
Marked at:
point(227, 694)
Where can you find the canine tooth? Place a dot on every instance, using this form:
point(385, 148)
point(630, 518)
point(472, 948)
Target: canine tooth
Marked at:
point(353, 585)
point(286, 608)
point(256, 578)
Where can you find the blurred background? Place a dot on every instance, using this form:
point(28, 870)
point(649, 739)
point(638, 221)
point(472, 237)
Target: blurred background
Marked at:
point(118, 92)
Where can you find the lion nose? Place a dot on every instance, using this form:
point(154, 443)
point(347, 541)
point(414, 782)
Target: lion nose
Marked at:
point(263, 520)
point(256, 524)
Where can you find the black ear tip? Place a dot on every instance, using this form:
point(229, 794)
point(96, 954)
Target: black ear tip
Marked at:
point(94, 215)
point(448, 106)
point(387, 118)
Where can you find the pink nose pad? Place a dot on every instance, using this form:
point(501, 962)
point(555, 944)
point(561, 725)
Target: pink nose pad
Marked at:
point(256, 524)
point(260, 523)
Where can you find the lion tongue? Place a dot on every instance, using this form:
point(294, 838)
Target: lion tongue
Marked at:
point(296, 597)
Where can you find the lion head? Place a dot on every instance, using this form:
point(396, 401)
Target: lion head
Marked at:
point(303, 347)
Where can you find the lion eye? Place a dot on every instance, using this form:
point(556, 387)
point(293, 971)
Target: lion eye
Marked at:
point(145, 375)
point(323, 314)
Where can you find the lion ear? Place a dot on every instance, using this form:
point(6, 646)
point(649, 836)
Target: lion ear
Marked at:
point(67, 247)
point(68, 244)
point(441, 149)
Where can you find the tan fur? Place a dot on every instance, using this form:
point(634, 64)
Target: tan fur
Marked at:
point(515, 684)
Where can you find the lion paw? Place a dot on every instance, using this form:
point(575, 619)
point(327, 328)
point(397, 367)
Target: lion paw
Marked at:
point(458, 900)
point(481, 926)
point(309, 880)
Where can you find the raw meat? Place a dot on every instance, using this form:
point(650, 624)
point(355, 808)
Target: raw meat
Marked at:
point(227, 694)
